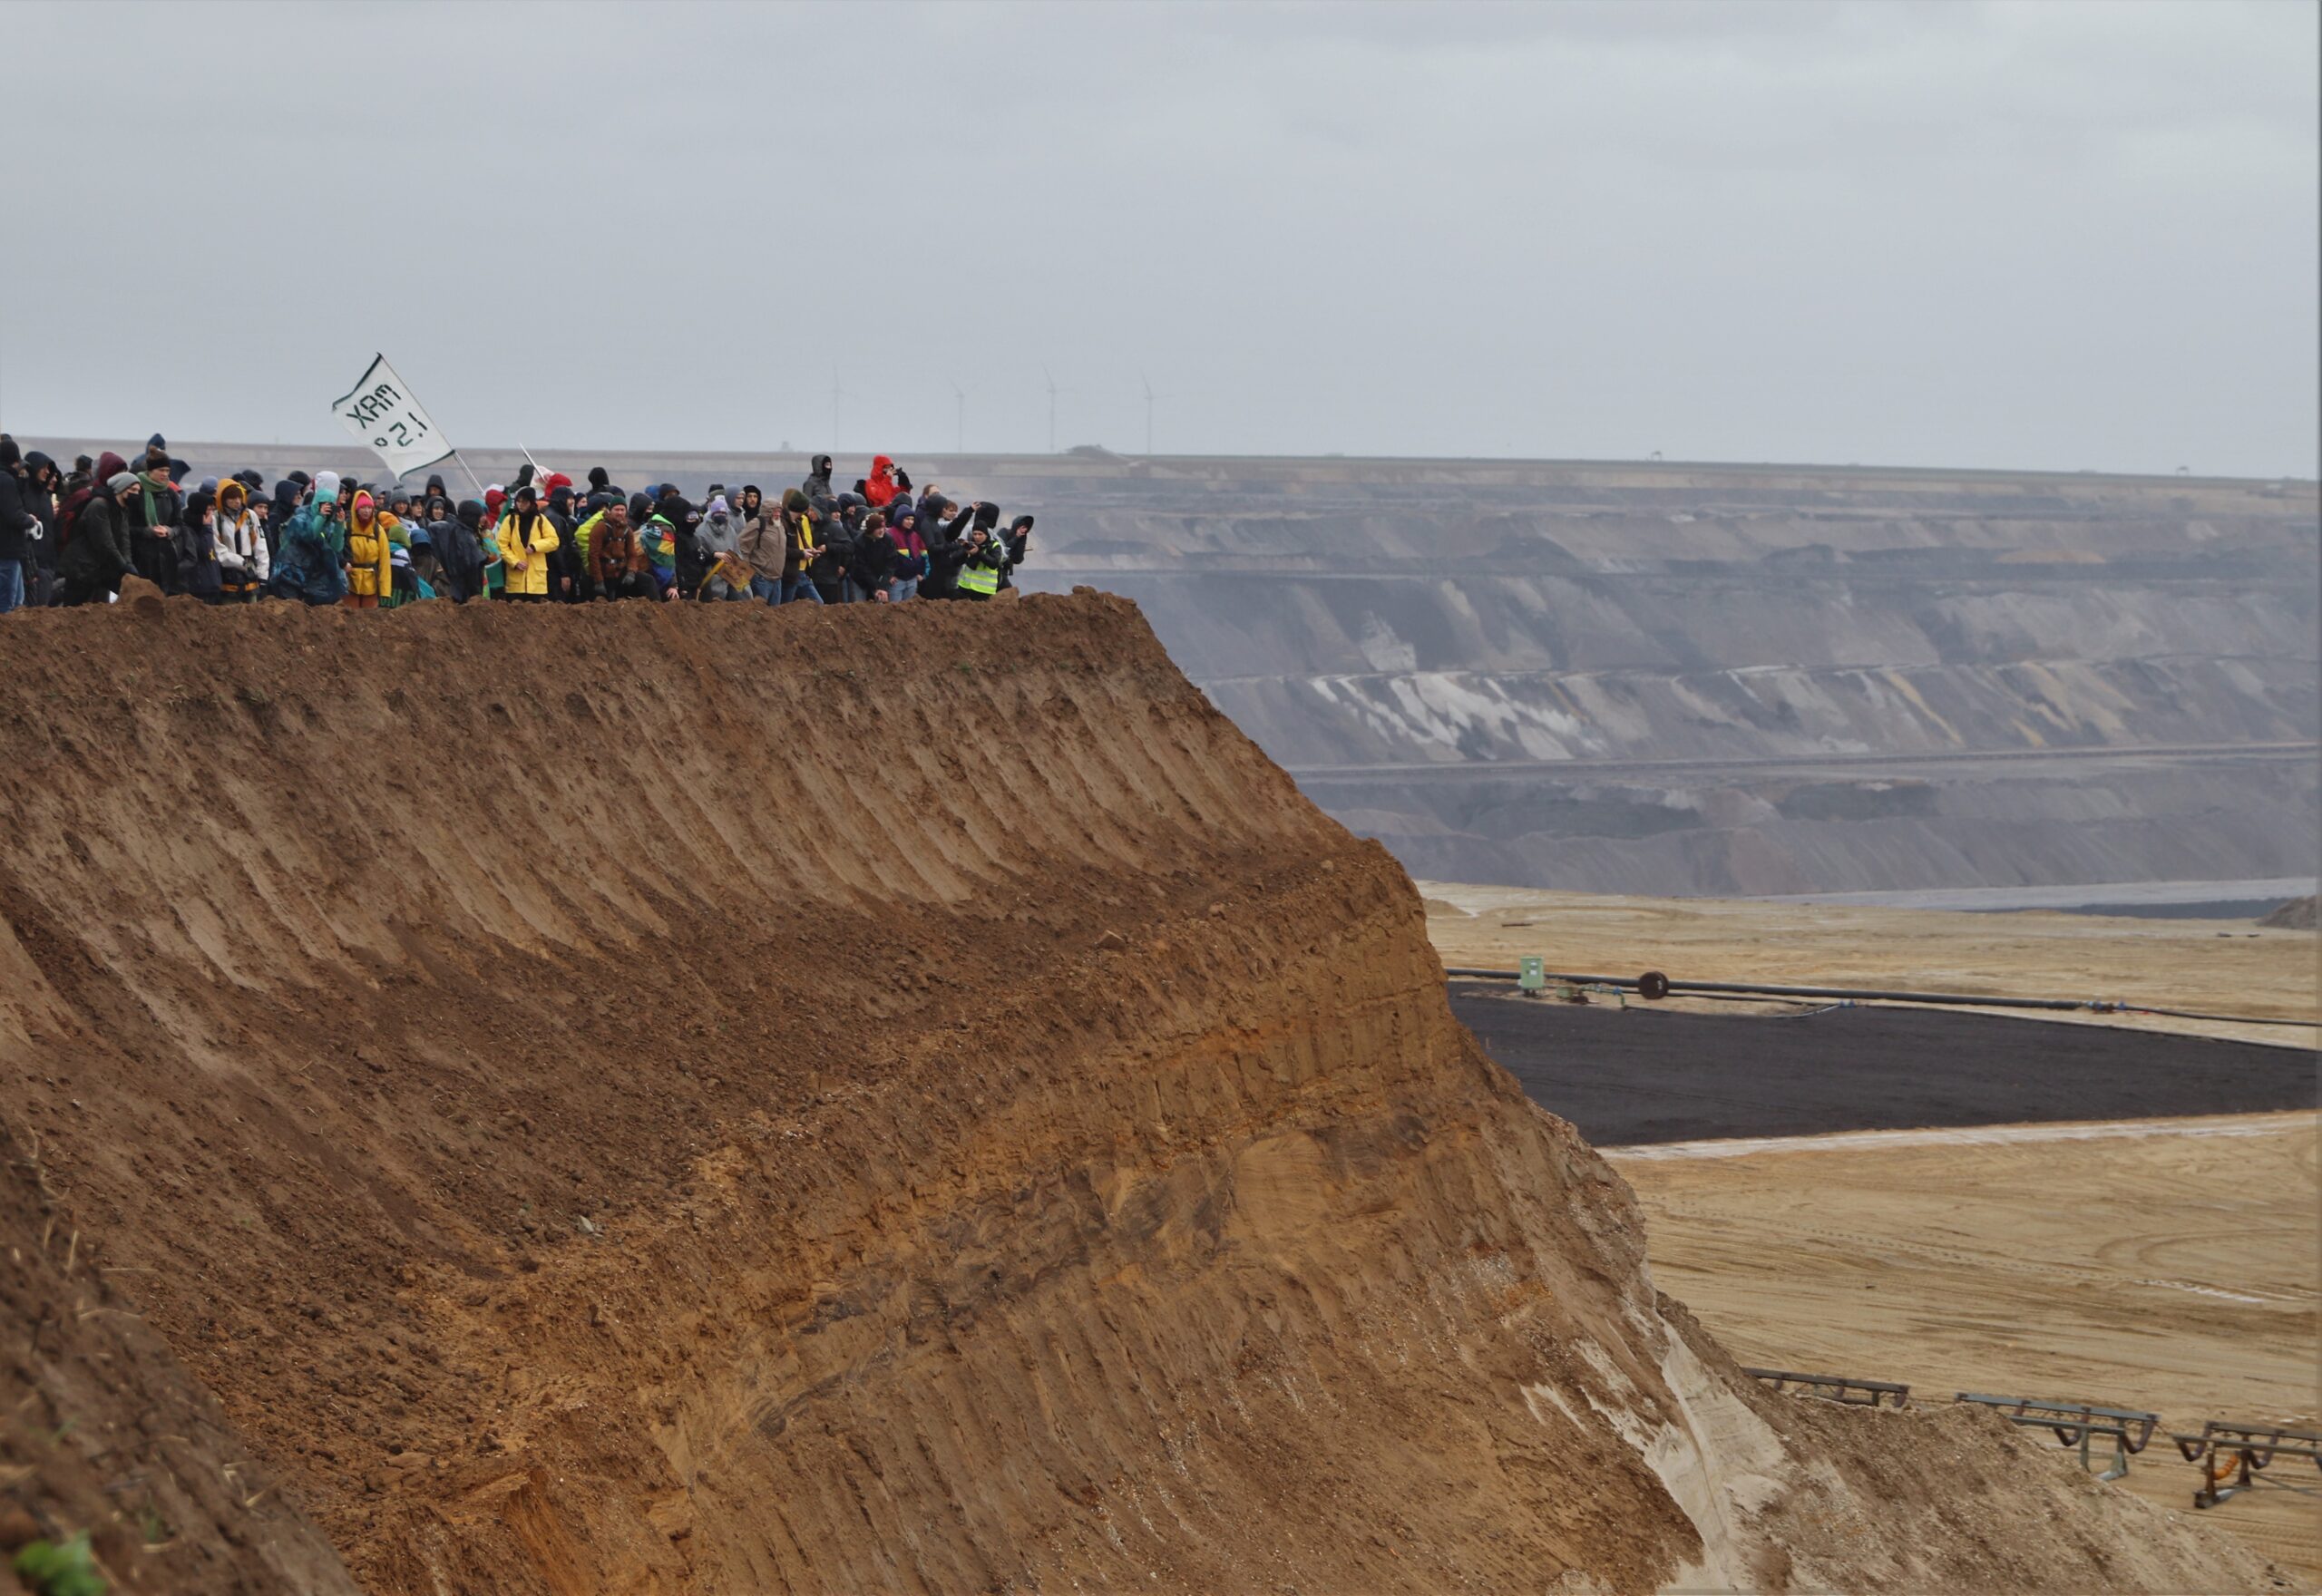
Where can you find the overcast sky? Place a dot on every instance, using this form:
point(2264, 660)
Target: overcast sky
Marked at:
point(2045, 235)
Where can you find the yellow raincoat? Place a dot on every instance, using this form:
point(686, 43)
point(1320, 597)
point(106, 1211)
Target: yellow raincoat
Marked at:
point(532, 545)
point(368, 573)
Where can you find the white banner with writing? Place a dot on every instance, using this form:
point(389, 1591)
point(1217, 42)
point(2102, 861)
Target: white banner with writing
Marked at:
point(386, 419)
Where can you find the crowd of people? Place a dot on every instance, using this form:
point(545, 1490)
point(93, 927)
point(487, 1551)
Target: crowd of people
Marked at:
point(70, 536)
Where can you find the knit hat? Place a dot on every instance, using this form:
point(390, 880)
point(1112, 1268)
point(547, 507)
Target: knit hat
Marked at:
point(121, 483)
point(718, 506)
point(471, 513)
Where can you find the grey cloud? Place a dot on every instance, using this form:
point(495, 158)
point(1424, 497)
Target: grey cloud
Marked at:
point(2045, 235)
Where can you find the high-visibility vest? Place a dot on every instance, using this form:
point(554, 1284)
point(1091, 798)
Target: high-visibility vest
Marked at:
point(980, 579)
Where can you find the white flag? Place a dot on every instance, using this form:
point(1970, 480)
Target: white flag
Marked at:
point(385, 418)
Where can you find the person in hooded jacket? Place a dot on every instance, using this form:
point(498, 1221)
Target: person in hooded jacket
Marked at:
point(834, 549)
point(239, 543)
point(98, 556)
point(658, 537)
point(310, 561)
point(458, 542)
point(369, 559)
point(40, 491)
point(286, 505)
point(568, 571)
point(802, 545)
point(946, 546)
point(879, 488)
point(817, 484)
point(763, 543)
point(1016, 545)
point(872, 570)
point(21, 529)
point(981, 563)
point(198, 557)
point(527, 537)
point(721, 545)
point(87, 483)
point(910, 551)
point(693, 559)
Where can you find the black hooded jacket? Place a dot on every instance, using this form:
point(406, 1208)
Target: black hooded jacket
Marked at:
point(99, 553)
point(286, 505)
point(40, 500)
point(17, 521)
point(817, 484)
point(459, 550)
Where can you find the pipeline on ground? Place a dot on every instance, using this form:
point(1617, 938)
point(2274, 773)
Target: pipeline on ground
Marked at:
point(1653, 983)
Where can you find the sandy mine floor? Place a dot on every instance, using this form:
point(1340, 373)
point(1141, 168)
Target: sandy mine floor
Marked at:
point(2156, 1264)
point(2227, 967)
point(2175, 1272)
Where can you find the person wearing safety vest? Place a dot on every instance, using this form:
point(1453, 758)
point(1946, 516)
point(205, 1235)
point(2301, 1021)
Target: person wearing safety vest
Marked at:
point(979, 572)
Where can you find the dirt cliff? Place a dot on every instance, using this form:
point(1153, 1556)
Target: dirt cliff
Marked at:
point(740, 1100)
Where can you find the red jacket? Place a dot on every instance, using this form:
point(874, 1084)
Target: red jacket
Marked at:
point(880, 488)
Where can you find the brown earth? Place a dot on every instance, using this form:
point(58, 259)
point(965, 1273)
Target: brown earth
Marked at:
point(103, 1432)
point(732, 1101)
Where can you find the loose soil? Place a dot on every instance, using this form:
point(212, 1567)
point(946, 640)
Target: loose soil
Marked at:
point(738, 1101)
point(1646, 1073)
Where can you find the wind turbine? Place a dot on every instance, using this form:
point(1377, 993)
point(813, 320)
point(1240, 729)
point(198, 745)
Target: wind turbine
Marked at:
point(1149, 397)
point(838, 394)
point(959, 420)
point(1053, 392)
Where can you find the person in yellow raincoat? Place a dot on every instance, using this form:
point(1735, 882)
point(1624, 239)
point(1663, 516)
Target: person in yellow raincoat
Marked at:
point(367, 574)
point(527, 537)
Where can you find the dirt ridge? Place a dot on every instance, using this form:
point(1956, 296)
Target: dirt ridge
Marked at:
point(623, 1101)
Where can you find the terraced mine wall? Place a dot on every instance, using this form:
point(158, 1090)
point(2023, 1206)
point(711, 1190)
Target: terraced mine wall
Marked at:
point(1685, 680)
point(1690, 680)
point(735, 1101)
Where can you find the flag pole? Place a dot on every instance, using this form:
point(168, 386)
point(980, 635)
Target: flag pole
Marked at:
point(470, 470)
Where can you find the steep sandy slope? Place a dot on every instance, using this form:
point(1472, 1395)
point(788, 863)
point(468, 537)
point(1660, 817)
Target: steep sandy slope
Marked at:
point(103, 1434)
point(628, 1101)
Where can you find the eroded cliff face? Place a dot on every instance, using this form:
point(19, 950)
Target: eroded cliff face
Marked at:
point(620, 1101)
